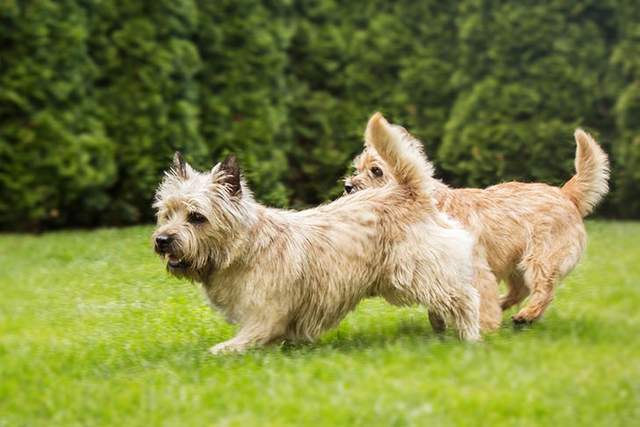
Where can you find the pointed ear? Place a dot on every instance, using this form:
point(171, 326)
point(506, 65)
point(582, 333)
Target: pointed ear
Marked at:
point(179, 167)
point(232, 174)
point(377, 129)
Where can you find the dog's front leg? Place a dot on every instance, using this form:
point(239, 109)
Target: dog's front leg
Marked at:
point(251, 334)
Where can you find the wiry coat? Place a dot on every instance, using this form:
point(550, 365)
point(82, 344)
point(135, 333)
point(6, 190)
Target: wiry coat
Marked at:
point(529, 234)
point(292, 275)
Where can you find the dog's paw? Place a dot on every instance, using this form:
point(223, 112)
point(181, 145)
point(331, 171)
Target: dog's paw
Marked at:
point(226, 348)
point(520, 321)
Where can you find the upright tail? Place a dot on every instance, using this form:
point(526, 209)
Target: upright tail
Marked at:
point(591, 181)
point(403, 154)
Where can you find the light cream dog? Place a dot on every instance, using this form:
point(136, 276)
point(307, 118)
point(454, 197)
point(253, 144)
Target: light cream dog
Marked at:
point(285, 275)
point(532, 234)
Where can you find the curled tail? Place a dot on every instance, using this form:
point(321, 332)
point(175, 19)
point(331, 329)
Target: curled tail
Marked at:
point(591, 181)
point(402, 153)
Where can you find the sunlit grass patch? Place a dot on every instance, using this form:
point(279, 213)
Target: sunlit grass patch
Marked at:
point(94, 332)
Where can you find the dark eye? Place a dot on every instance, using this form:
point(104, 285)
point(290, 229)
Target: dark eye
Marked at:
point(376, 171)
point(196, 218)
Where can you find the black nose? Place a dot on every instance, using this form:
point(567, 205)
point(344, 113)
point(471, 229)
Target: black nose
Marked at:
point(163, 241)
point(348, 188)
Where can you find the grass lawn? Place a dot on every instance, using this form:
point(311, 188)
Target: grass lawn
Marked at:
point(94, 332)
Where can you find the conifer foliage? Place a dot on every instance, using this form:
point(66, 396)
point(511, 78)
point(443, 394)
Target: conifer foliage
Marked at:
point(95, 95)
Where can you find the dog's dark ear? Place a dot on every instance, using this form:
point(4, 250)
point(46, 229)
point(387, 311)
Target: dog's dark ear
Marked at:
point(179, 166)
point(232, 170)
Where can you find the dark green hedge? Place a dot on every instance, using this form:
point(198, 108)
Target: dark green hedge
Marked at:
point(96, 95)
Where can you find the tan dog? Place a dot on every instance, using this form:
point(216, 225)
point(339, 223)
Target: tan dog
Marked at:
point(531, 234)
point(292, 275)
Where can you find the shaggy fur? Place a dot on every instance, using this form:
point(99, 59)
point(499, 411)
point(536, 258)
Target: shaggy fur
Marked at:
point(532, 234)
point(285, 275)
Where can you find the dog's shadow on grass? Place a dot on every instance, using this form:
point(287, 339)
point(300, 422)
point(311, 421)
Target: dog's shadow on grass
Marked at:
point(410, 333)
point(405, 333)
point(416, 333)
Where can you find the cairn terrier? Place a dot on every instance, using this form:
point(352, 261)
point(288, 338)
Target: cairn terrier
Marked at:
point(287, 275)
point(531, 234)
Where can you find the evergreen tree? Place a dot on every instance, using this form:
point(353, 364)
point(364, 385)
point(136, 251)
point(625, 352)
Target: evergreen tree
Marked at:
point(626, 61)
point(54, 153)
point(525, 78)
point(243, 90)
point(348, 61)
point(95, 96)
point(148, 93)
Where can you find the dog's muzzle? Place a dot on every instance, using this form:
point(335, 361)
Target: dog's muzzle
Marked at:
point(164, 245)
point(177, 264)
point(348, 188)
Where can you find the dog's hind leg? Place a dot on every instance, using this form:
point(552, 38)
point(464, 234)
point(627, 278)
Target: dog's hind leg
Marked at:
point(487, 285)
point(516, 293)
point(466, 319)
point(490, 311)
point(549, 259)
point(540, 279)
point(455, 302)
point(462, 306)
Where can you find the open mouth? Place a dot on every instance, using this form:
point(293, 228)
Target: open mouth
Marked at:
point(176, 263)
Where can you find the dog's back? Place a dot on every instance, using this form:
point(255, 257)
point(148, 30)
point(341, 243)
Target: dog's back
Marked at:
point(507, 218)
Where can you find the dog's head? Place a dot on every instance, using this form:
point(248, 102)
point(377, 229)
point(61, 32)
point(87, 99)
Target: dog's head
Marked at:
point(370, 172)
point(199, 217)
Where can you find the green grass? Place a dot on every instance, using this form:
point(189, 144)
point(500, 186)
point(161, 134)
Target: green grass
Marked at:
point(94, 332)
